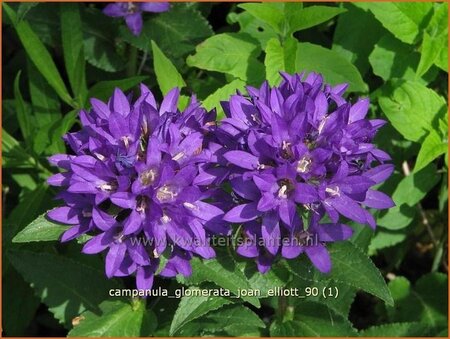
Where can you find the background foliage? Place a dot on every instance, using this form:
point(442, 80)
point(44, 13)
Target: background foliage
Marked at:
point(391, 283)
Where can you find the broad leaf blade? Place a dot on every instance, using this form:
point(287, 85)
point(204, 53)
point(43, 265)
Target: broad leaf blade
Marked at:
point(41, 229)
point(335, 68)
point(117, 319)
point(191, 308)
point(81, 287)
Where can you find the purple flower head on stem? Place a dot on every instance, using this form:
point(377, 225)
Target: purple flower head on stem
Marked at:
point(299, 158)
point(131, 185)
point(132, 12)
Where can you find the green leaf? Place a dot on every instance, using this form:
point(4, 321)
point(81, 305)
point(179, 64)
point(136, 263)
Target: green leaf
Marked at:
point(412, 108)
point(117, 319)
point(193, 307)
point(48, 139)
point(19, 300)
point(335, 68)
point(32, 204)
point(405, 20)
point(386, 238)
point(313, 320)
point(222, 271)
point(167, 75)
point(350, 267)
point(257, 29)
point(278, 276)
point(442, 60)
point(81, 287)
point(14, 155)
point(39, 55)
point(24, 8)
point(356, 33)
point(270, 12)
point(408, 193)
point(222, 94)
point(431, 51)
point(345, 293)
point(230, 53)
point(72, 42)
point(432, 147)
point(229, 320)
point(45, 101)
point(311, 16)
point(434, 39)
point(102, 90)
point(392, 58)
point(422, 303)
point(99, 36)
point(407, 329)
point(175, 35)
point(23, 115)
point(279, 58)
point(41, 229)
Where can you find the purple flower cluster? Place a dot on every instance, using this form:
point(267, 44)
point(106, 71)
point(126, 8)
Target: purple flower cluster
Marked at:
point(133, 177)
point(299, 157)
point(132, 12)
point(295, 160)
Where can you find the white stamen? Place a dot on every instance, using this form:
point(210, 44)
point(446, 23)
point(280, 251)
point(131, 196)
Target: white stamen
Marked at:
point(99, 156)
point(148, 177)
point(333, 191)
point(282, 192)
point(107, 187)
point(304, 165)
point(86, 214)
point(189, 205)
point(165, 219)
point(178, 156)
point(165, 193)
point(155, 254)
point(322, 123)
point(126, 140)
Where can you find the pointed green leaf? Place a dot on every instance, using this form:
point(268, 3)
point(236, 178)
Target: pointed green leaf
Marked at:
point(72, 41)
point(39, 55)
point(230, 53)
point(193, 307)
point(116, 319)
point(222, 271)
point(269, 12)
point(23, 114)
point(166, 74)
point(350, 266)
point(222, 94)
point(335, 68)
point(423, 302)
point(406, 329)
point(44, 100)
point(279, 58)
point(432, 147)
point(40, 229)
point(311, 16)
point(412, 108)
point(81, 287)
point(102, 90)
point(403, 19)
point(313, 320)
point(14, 155)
